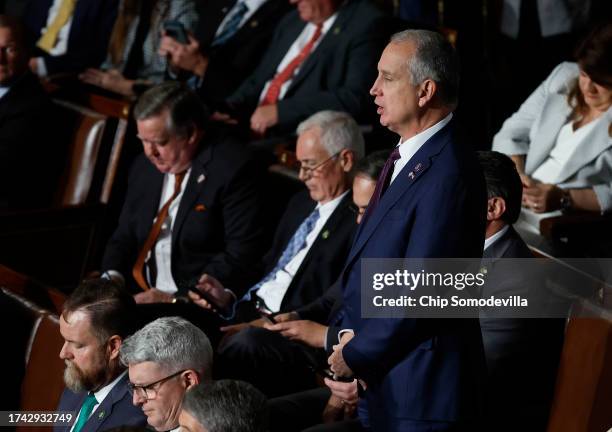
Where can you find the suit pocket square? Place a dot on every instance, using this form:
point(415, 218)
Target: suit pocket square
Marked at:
point(200, 208)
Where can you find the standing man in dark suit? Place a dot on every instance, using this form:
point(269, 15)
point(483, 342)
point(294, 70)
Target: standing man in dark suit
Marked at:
point(25, 111)
point(322, 56)
point(522, 354)
point(69, 35)
point(430, 202)
point(230, 40)
point(96, 319)
point(192, 205)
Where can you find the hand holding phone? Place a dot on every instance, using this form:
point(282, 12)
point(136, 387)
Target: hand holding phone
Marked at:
point(176, 30)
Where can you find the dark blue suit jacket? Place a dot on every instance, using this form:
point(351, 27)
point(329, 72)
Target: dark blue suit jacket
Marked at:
point(115, 410)
point(420, 369)
point(92, 23)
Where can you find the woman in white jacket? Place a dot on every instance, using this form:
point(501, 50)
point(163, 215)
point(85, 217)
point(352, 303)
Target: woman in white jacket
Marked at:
point(561, 137)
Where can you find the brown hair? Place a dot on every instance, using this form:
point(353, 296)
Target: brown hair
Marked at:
point(594, 56)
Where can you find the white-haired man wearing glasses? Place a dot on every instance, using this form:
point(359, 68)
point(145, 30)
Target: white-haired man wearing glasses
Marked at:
point(165, 358)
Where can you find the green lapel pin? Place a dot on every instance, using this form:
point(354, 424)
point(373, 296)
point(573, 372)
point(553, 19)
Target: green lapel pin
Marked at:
point(325, 234)
point(101, 415)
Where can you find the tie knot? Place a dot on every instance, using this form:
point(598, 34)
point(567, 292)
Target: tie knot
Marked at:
point(90, 399)
point(395, 154)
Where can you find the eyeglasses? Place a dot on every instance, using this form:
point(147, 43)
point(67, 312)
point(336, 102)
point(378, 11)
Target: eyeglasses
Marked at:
point(309, 171)
point(149, 391)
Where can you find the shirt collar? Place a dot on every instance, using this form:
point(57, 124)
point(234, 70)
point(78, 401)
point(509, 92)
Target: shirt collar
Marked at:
point(253, 5)
point(325, 210)
point(3, 91)
point(412, 145)
point(490, 240)
point(104, 391)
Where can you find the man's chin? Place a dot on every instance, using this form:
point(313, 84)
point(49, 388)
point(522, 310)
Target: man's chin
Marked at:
point(73, 381)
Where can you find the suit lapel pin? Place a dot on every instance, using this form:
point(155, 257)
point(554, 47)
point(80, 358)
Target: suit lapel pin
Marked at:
point(418, 167)
point(336, 30)
point(483, 270)
point(101, 415)
point(325, 234)
point(411, 175)
point(254, 23)
point(201, 178)
point(200, 208)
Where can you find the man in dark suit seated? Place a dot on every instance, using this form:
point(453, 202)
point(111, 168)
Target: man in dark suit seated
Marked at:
point(429, 202)
point(522, 354)
point(228, 44)
point(310, 244)
point(25, 112)
point(192, 205)
point(96, 319)
point(322, 56)
point(69, 35)
point(165, 359)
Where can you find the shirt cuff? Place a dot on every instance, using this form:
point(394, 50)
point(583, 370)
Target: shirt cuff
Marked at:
point(113, 275)
point(41, 67)
point(341, 332)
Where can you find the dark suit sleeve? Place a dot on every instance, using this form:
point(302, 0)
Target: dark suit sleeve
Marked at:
point(238, 264)
point(319, 309)
point(351, 96)
point(122, 248)
point(441, 229)
point(90, 47)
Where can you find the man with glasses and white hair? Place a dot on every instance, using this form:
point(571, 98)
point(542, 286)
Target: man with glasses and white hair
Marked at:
point(165, 358)
point(311, 241)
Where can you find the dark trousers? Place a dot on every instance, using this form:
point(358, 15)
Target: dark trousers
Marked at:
point(268, 360)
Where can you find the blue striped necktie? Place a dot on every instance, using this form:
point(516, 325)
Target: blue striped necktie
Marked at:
point(232, 25)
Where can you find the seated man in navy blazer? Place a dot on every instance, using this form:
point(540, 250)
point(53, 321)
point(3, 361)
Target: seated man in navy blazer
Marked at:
point(522, 354)
point(310, 244)
point(96, 319)
point(322, 56)
point(430, 202)
point(193, 203)
point(69, 35)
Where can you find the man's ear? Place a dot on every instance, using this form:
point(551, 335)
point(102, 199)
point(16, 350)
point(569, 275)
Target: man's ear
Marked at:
point(347, 159)
point(112, 346)
point(190, 378)
point(496, 207)
point(426, 91)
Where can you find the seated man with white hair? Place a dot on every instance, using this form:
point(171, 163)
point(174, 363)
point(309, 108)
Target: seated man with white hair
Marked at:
point(165, 358)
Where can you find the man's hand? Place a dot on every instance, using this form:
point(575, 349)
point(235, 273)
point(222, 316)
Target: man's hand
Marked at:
point(153, 295)
point(336, 361)
point(345, 391)
point(308, 332)
point(33, 64)
point(342, 403)
point(213, 289)
point(288, 316)
point(187, 57)
point(223, 118)
point(231, 330)
point(263, 118)
point(111, 80)
point(542, 197)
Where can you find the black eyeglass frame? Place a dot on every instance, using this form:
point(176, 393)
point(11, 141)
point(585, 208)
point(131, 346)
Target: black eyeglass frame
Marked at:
point(144, 389)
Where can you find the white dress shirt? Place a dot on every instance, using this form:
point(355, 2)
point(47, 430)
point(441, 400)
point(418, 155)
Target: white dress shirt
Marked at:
point(163, 246)
point(101, 395)
point(412, 145)
point(492, 239)
point(273, 291)
point(61, 44)
point(295, 49)
point(252, 6)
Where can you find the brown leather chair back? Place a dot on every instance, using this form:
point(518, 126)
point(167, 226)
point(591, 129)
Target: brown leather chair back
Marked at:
point(43, 383)
point(85, 141)
point(583, 394)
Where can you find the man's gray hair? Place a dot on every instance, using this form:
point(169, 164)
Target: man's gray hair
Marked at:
point(227, 406)
point(338, 131)
point(185, 108)
point(435, 59)
point(171, 342)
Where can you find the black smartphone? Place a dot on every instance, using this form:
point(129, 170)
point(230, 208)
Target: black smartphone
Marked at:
point(205, 296)
point(176, 30)
point(267, 316)
point(326, 373)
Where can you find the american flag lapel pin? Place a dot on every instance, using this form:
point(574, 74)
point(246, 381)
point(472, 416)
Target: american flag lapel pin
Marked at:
point(201, 178)
point(418, 167)
point(411, 175)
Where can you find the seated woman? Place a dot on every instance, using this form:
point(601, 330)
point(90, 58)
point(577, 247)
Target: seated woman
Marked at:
point(561, 137)
point(132, 60)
